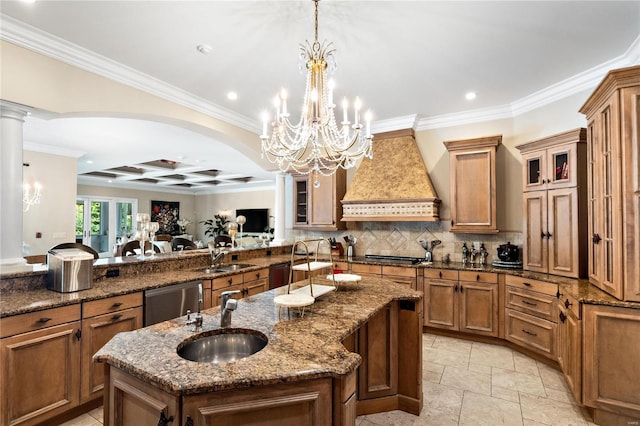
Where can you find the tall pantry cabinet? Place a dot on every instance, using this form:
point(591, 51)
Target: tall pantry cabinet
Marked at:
point(554, 204)
point(613, 140)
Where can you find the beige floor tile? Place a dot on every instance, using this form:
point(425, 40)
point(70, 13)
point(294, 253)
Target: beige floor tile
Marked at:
point(396, 418)
point(441, 404)
point(432, 366)
point(461, 378)
point(527, 422)
point(559, 395)
point(431, 376)
point(452, 344)
point(444, 357)
point(97, 413)
point(480, 368)
point(495, 356)
point(83, 420)
point(504, 393)
point(480, 410)
point(524, 364)
point(517, 381)
point(552, 378)
point(551, 412)
point(428, 339)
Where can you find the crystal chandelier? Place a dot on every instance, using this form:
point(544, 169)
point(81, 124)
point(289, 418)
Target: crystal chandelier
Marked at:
point(30, 194)
point(317, 143)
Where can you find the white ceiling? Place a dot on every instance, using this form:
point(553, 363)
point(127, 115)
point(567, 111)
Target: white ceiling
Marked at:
point(411, 62)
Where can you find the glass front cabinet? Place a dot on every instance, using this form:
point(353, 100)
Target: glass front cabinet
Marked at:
point(554, 167)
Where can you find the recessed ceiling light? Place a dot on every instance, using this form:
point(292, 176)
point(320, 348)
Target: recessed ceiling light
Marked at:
point(470, 96)
point(110, 181)
point(232, 96)
point(89, 161)
point(204, 48)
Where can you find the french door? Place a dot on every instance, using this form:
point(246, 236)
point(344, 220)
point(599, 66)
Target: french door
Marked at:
point(102, 222)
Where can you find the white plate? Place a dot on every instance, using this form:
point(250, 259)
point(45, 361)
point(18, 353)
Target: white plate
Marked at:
point(318, 290)
point(344, 277)
point(312, 266)
point(293, 300)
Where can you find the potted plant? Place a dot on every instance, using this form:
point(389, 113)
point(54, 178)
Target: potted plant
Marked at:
point(216, 226)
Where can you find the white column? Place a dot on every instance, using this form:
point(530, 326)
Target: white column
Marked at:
point(11, 121)
point(278, 233)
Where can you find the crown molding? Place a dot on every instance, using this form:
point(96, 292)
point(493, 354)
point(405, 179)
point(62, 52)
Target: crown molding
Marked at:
point(39, 41)
point(585, 80)
point(50, 149)
point(24, 35)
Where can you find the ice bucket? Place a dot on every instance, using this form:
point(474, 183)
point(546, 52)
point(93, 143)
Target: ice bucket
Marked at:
point(69, 270)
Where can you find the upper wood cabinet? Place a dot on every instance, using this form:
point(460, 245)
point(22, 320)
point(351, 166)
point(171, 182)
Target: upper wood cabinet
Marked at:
point(554, 204)
point(613, 140)
point(472, 168)
point(316, 200)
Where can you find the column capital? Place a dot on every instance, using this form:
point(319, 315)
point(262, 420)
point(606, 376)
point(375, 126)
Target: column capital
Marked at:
point(13, 110)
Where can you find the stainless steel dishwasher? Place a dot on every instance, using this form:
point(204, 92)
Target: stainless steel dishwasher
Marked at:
point(162, 304)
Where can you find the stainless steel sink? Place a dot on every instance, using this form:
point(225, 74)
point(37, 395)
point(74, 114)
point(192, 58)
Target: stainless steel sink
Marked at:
point(225, 268)
point(224, 345)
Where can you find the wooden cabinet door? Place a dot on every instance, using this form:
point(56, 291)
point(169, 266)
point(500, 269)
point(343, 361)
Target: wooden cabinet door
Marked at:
point(255, 287)
point(562, 232)
point(569, 347)
point(606, 225)
point(323, 200)
point(441, 299)
point(40, 374)
point(301, 197)
point(133, 402)
point(534, 253)
point(378, 373)
point(96, 332)
point(216, 298)
point(478, 308)
point(611, 370)
point(562, 166)
point(534, 170)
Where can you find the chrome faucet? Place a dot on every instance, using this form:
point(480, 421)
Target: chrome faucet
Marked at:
point(216, 257)
point(228, 305)
point(197, 319)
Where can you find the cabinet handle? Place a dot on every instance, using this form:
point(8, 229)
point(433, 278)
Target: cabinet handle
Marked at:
point(116, 317)
point(440, 274)
point(529, 303)
point(478, 277)
point(455, 288)
point(230, 281)
point(549, 235)
point(164, 420)
point(116, 305)
point(542, 235)
point(558, 294)
point(78, 334)
point(530, 333)
point(461, 288)
point(258, 276)
point(452, 222)
point(563, 317)
point(527, 284)
point(189, 421)
point(567, 303)
point(43, 320)
point(596, 239)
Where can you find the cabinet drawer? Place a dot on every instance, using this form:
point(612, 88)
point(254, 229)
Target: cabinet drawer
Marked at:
point(32, 321)
point(445, 274)
point(530, 332)
point(540, 286)
point(538, 304)
point(570, 303)
point(206, 284)
point(359, 268)
point(399, 271)
point(227, 281)
point(341, 266)
point(481, 277)
point(256, 275)
point(111, 304)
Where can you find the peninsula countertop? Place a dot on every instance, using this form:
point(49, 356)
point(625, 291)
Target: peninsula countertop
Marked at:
point(299, 348)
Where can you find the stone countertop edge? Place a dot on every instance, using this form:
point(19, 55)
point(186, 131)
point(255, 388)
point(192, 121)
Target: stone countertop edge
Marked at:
point(20, 302)
point(299, 348)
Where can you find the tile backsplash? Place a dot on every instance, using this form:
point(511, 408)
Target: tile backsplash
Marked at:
point(403, 239)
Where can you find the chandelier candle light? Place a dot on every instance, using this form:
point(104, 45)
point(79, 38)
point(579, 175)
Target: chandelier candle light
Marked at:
point(316, 144)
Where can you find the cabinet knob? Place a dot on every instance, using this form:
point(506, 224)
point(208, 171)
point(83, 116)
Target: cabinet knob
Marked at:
point(461, 288)
point(116, 317)
point(189, 421)
point(164, 420)
point(44, 320)
point(230, 281)
point(258, 275)
point(567, 303)
point(549, 235)
point(455, 288)
point(530, 333)
point(440, 274)
point(478, 277)
point(452, 222)
point(116, 305)
point(526, 284)
point(563, 317)
point(542, 235)
point(596, 238)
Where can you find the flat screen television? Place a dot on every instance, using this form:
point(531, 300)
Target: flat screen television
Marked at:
point(257, 220)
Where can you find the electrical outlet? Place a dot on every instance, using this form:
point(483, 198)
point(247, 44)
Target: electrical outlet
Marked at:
point(113, 273)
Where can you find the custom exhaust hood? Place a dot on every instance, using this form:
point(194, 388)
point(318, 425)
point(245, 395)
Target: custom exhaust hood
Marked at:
point(394, 185)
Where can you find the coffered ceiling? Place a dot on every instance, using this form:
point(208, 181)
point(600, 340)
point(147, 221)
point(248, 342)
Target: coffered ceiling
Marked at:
point(411, 62)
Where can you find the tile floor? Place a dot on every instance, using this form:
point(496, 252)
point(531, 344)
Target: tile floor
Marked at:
point(470, 383)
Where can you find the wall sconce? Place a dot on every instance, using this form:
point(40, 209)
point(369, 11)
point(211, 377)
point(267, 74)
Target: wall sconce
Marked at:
point(30, 194)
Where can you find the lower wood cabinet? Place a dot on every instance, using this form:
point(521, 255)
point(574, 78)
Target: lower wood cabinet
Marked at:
point(247, 283)
point(103, 319)
point(40, 375)
point(569, 344)
point(401, 275)
point(611, 370)
point(468, 303)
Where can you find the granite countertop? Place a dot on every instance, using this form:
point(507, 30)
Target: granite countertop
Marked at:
point(299, 348)
point(14, 302)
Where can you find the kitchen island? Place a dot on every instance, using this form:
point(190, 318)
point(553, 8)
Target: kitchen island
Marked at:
point(341, 359)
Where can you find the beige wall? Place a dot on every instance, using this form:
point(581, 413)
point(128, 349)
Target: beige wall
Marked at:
point(55, 216)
